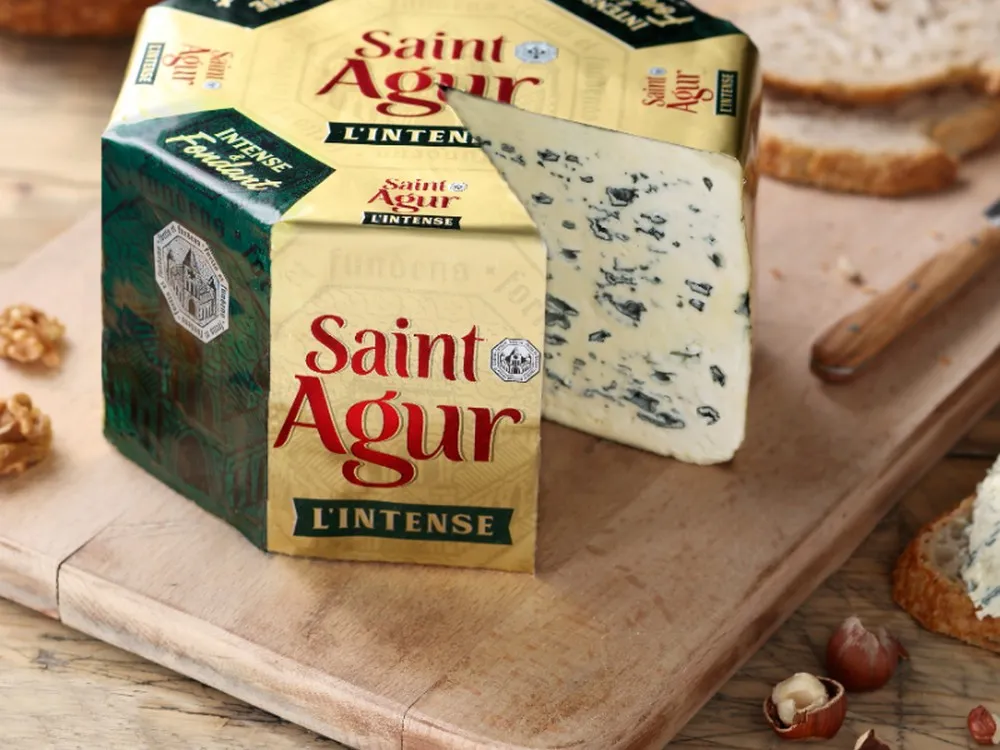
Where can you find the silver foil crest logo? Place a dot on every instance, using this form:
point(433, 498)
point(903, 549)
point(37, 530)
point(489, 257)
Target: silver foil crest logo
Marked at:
point(515, 360)
point(192, 283)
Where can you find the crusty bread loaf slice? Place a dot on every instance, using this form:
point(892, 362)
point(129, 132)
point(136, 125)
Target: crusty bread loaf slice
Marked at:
point(927, 584)
point(912, 146)
point(876, 51)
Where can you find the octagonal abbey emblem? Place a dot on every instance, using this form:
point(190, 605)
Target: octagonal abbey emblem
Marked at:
point(192, 283)
point(515, 360)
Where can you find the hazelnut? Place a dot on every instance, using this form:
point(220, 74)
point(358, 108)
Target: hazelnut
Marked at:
point(870, 741)
point(806, 707)
point(983, 726)
point(860, 659)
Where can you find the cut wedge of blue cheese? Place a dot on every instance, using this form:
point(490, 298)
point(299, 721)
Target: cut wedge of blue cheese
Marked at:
point(981, 571)
point(648, 339)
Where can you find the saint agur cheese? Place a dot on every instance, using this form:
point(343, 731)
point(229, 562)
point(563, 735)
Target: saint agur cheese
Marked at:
point(647, 319)
point(981, 571)
point(325, 310)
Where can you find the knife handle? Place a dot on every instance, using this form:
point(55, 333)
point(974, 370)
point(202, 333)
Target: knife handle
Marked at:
point(847, 346)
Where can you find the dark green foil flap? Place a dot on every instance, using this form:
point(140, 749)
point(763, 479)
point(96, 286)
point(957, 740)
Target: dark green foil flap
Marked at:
point(649, 23)
point(230, 155)
point(248, 13)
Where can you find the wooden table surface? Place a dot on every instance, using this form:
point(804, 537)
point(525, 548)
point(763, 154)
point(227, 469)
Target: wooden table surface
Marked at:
point(60, 690)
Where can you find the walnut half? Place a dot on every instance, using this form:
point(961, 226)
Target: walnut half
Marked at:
point(25, 434)
point(29, 335)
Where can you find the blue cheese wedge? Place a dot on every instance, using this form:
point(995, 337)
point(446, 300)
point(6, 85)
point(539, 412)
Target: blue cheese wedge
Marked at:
point(981, 571)
point(649, 273)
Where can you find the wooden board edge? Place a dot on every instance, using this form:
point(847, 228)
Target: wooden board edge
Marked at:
point(180, 642)
point(163, 634)
point(945, 425)
point(29, 579)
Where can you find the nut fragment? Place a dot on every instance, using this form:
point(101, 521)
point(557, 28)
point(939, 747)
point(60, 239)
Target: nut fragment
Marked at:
point(25, 434)
point(29, 335)
point(806, 707)
point(870, 741)
point(983, 726)
point(850, 273)
point(860, 659)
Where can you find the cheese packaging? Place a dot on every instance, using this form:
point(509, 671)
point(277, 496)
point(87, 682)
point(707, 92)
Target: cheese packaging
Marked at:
point(355, 250)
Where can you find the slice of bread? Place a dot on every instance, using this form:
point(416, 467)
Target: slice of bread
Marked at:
point(876, 51)
point(927, 584)
point(912, 146)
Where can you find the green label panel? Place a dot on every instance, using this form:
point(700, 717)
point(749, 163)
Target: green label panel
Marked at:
point(248, 13)
point(429, 523)
point(229, 155)
point(649, 23)
point(233, 156)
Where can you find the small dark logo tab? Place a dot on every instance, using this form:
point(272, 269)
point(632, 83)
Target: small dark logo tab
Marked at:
point(150, 64)
point(425, 221)
point(727, 85)
point(371, 134)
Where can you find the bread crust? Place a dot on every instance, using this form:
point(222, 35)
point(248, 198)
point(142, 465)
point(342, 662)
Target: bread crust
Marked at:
point(851, 94)
point(990, 79)
point(966, 133)
point(848, 171)
point(928, 170)
point(936, 602)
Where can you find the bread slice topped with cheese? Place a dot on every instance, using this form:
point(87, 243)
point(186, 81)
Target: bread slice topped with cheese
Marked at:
point(908, 147)
point(647, 306)
point(876, 51)
point(948, 579)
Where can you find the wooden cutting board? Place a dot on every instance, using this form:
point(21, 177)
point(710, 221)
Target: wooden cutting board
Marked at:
point(656, 580)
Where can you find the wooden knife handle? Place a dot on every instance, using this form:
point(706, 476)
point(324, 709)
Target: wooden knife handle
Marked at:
point(847, 346)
